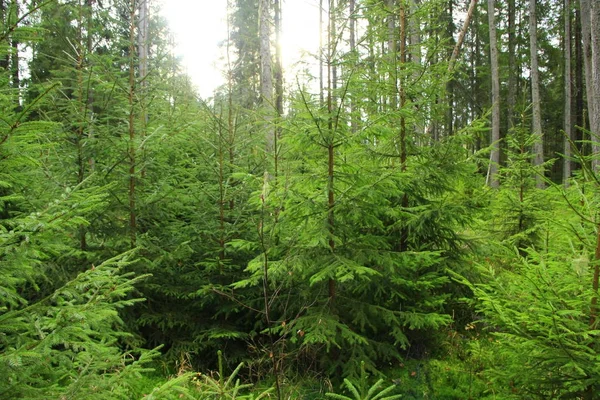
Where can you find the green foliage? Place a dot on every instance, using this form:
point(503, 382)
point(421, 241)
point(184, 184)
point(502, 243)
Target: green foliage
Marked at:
point(67, 344)
point(361, 390)
point(518, 207)
point(540, 311)
point(224, 387)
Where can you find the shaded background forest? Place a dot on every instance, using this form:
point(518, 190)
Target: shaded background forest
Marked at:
point(422, 206)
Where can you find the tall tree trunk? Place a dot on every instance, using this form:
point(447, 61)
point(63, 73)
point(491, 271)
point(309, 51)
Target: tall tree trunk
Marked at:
point(579, 79)
point(403, 139)
point(415, 35)
point(266, 72)
point(538, 147)
point(143, 42)
point(321, 57)
point(451, 82)
point(132, 137)
point(568, 121)
point(392, 55)
point(586, 38)
point(461, 35)
point(495, 138)
point(4, 20)
point(513, 70)
point(278, 84)
point(331, 144)
point(595, 84)
point(14, 55)
point(352, 40)
point(143, 50)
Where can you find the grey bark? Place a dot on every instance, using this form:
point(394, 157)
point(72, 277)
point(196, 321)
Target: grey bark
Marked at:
point(586, 37)
point(352, 33)
point(495, 139)
point(538, 147)
point(595, 85)
point(568, 96)
point(266, 71)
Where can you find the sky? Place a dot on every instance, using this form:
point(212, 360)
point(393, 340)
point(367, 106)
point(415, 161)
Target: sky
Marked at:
point(200, 25)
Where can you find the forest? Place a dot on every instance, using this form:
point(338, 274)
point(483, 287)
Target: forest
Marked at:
point(415, 216)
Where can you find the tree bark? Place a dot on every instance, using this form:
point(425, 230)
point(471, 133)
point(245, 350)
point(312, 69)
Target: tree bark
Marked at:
point(586, 38)
point(278, 85)
point(352, 33)
point(513, 70)
point(595, 84)
point(538, 147)
point(132, 136)
point(266, 72)
point(461, 35)
point(14, 56)
point(495, 138)
point(330, 146)
point(4, 13)
point(568, 96)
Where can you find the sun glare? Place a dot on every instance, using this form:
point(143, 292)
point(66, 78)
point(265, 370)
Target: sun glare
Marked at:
point(200, 26)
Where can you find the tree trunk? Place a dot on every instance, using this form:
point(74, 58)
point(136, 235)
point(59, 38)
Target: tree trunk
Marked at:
point(266, 72)
point(330, 147)
point(14, 56)
point(538, 147)
point(354, 118)
point(579, 79)
point(595, 84)
point(495, 139)
point(568, 96)
point(513, 70)
point(451, 82)
point(461, 35)
point(131, 122)
point(392, 55)
point(278, 84)
point(586, 38)
point(4, 13)
point(321, 57)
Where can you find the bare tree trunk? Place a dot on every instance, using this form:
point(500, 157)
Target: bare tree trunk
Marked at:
point(579, 79)
point(538, 147)
point(14, 56)
point(392, 54)
point(352, 33)
point(586, 36)
point(495, 139)
point(461, 35)
point(330, 146)
point(513, 70)
point(321, 56)
point(132, 134)
point(143, 46)
point(4, 19)
point(415, 35)
point(568, 95)
point(278, 84)
point(266, 72)
point(143, 41)
point(595, 85)
point(403, 139)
